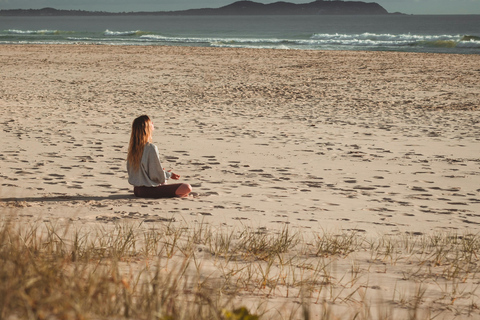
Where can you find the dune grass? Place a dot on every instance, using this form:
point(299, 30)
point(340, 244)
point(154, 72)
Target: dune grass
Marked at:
point(132, 270)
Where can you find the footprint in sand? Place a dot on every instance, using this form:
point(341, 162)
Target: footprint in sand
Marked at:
point(469, 221)
point(444, 199)
point(213, 162)
point(171, 158)
point(416, 233)
point(313, 184)
point(104, 185)
point(454, 189)
point(9, 185)
point(332, 204)
point(267, 175)
point(184, 153)
point(418, 189)
point(159, 219)
point(85, 159)
point(359, 187)
point(57, 176)
point(75, 187)
point(23, 173)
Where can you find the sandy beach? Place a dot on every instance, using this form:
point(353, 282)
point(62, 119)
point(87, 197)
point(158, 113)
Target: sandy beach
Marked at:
point(376, 143)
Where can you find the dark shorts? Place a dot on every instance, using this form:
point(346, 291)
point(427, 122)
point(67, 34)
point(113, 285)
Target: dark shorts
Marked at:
point(162, 191)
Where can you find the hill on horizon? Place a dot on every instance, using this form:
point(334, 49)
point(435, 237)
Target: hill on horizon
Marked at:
point(244, 7)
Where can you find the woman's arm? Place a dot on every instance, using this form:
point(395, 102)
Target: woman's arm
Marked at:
point(154, 166)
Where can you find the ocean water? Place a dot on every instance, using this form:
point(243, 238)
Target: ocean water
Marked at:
point(407, 33)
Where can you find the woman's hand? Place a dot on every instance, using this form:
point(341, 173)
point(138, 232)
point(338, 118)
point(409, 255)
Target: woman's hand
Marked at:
point(174, 176)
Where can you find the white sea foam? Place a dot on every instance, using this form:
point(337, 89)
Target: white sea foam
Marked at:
point(15, 31)
point(455, 43)
point(121, 33)
point(383, 40)
point(160, 38)
point(469, 44)
point(321, 40)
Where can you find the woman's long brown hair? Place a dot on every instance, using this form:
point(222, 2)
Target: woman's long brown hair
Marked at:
point(141, 135)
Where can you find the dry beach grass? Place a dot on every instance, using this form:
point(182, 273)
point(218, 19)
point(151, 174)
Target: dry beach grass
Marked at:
point(131, 270)
point(327, 184)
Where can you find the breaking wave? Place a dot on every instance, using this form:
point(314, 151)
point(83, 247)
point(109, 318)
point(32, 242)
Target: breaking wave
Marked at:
point(317, 41)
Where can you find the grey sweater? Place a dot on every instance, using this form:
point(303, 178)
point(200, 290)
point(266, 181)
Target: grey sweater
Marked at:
point(150, 173)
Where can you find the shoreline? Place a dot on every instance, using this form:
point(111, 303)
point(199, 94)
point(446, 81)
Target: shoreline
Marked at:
point(80, 44)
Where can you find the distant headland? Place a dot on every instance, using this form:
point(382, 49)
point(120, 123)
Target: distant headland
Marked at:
point(318, 7)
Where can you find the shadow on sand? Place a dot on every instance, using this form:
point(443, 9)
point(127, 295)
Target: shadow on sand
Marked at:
point(67, 198)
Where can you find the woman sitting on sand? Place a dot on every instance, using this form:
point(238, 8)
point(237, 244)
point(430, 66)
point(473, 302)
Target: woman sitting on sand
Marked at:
point(145, 172)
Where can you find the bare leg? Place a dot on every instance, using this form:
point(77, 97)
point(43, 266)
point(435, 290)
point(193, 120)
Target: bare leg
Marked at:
point(183, 190)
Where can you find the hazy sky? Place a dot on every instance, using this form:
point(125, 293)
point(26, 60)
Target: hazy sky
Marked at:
point(405, 6)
